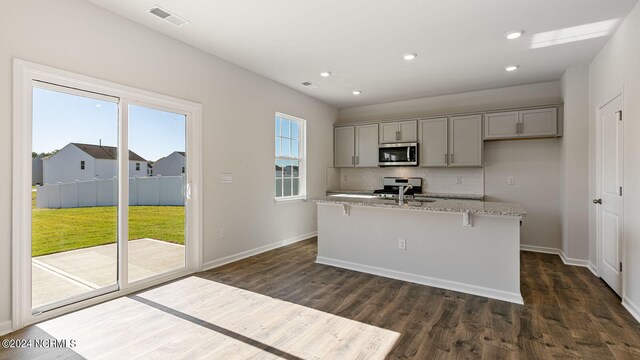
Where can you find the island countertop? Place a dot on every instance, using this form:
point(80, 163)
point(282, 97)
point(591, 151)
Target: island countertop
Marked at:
point(441, 205)
point(425, 194)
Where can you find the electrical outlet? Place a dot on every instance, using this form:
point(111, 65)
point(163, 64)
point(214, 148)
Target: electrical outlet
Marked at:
point(402, 244)
point(459, 180)
point(511, 180)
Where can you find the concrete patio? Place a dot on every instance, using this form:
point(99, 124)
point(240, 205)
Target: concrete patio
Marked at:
point(62, 275)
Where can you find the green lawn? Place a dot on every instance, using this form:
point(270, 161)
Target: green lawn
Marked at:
point(56, 230)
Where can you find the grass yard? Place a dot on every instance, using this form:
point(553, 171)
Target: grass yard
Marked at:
point(56, 230)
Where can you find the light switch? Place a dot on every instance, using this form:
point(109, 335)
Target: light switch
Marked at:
point(227, 178)
point(511, 180)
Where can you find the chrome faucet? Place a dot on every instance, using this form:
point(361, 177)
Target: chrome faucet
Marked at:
point(401, 191)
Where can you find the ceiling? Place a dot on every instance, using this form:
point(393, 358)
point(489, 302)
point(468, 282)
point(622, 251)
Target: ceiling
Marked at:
point(461, 44)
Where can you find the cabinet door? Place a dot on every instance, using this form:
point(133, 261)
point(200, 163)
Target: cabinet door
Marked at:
point(539, 122)
point(344, 146)
point(433, 142)
point(501, 125)
point(367, 145)
point(389, 133)
point(408, 131)
point(465, 140)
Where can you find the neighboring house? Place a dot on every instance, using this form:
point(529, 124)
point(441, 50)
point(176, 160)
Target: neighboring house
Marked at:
point(170, 165)
point(36, 170)
point(85, 162)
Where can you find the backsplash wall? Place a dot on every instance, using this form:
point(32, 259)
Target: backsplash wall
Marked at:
point(435, 180)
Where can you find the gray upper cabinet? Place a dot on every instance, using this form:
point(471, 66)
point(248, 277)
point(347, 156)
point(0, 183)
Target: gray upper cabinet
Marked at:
point(402, 131)
point(539, 122)
point(465, 141)
point(451, 142)
point(356, 146)
point(521, 124)
point(344, 146)
point(367, 145)
point(433, 137)
point(502, 125)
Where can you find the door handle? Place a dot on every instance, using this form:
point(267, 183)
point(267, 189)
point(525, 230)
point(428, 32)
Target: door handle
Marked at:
point(597, 201)
point(187, 191)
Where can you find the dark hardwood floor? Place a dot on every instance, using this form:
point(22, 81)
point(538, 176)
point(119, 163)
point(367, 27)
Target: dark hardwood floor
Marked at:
point(568, 312)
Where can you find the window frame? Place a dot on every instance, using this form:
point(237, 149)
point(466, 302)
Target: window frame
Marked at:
point(82, 165)
point(301, 158)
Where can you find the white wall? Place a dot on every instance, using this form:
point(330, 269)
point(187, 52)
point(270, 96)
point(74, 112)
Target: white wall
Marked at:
point(534, 163)
point(575, 164)
point(64, 166)
point(513, 96)
point(617, 65)
point(239, 109)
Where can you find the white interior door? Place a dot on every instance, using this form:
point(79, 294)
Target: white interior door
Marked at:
point(610, 191)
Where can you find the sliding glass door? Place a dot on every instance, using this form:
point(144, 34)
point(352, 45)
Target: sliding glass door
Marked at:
point(157, 191)
point(74, 195)
point(109, 189)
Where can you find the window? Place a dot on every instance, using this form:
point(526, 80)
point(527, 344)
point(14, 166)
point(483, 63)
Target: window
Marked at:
point(290, 157)
point(81, 164)
point(183, 169)
point(137, 166)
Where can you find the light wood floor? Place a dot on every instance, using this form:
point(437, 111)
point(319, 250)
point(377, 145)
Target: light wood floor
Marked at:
point(568, 312)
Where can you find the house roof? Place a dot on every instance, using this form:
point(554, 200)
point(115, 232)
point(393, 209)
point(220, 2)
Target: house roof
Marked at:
point(105, 152)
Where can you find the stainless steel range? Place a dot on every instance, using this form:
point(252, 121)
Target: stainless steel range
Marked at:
point(392, 187)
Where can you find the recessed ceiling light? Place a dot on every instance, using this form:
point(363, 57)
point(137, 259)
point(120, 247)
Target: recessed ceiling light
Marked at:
point(357, 92)
point(511, 68)
point(325, 74)
point(514, 34)
point(410, 57)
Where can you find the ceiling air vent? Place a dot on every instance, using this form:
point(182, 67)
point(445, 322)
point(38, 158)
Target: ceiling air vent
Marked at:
point(167, 16)
point(309, 85)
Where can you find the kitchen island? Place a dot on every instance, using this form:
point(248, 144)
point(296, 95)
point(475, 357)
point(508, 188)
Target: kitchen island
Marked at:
point(463, 245)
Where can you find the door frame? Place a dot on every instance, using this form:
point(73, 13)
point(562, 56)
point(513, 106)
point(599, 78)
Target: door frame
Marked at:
point(24, 73)
point(619, 92)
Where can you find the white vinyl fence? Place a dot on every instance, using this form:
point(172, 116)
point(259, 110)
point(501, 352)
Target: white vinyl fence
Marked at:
point(149, 191)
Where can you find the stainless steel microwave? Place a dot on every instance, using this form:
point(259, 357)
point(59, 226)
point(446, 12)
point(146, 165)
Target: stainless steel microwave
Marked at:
point(399, 154)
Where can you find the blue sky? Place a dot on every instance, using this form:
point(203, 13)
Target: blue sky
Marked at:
point(59, 119)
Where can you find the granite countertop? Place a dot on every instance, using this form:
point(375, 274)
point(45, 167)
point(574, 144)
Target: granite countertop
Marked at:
point(422, 195)
point(471, 206)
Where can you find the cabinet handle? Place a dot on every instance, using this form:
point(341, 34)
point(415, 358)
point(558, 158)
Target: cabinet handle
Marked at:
point(397, 135)
point(353, 160)
point(357, 160)
point(452, 158)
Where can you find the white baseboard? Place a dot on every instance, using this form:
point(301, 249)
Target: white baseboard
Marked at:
point(632, 308)
point(593, 268)
point(575, 262)
point(566, 260)
point(425, 280)
point(5, 327)
point(540, 249)
point(245, 254)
